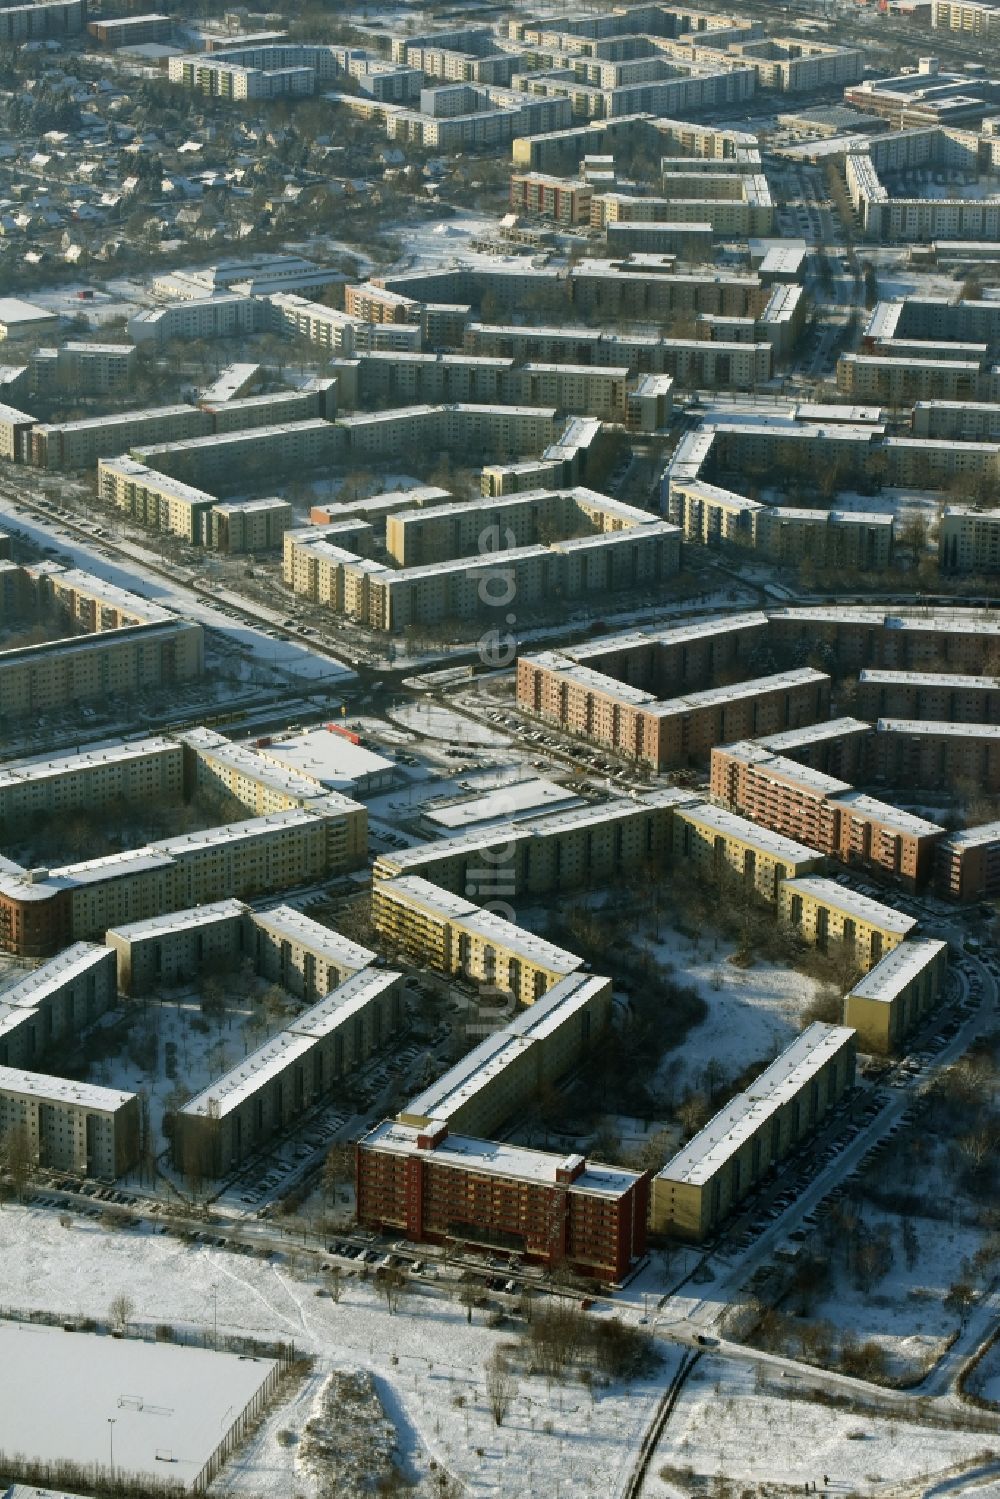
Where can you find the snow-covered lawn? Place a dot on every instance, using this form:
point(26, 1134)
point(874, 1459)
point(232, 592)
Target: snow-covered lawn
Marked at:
point(724, 1424)
point(428, 1364)
point(442, 723)
point(752, 1012)
point(985, 1381)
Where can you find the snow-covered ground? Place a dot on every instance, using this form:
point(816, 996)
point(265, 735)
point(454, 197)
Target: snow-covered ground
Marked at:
point(132, 572)
point(428, 1361)
point(723, 1424)
point(443, 242)
point(441, 723)
point(429, 1368)
point(904, 1311)
point(752, 1012)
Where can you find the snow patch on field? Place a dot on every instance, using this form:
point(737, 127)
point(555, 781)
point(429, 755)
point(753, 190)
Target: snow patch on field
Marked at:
point(724, 1424)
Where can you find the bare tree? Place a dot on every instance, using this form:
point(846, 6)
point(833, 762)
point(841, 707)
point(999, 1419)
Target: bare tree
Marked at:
point(499, 1387)
point(338, 1169)
point(468, 1295)
point(16, 1158)
point(120, 1310)
point(393, 1283)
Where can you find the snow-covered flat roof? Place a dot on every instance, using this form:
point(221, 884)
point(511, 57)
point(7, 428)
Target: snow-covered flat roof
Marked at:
point(852, 903)
point(733, 692)
point(326, 757)
point(44, 766)
point(348, 999)
point(242, 1082)
point(61, 1090)
point(164, 1398)
point(56, 973)
point(813, 733)
point(520, 798)
point(754, 752)
point(692, 629)
point(891, 817)
point(495, 1158)
point(730, 825)
point(977, 837)
point(938, 728)
point(744, 1115)
point(285, 921)
point(898, 968)
point(179, 921)
point(956, 681)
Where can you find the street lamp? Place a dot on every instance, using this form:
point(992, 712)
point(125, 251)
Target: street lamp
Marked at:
point(111, 1440)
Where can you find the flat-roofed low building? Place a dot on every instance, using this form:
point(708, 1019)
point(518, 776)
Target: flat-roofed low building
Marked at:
point(718, 845)
point(335, 761)
point(706, 1180)
point(70, 1126)
point(825, 913)
point(895, 996)
point(273, 1087)
point(20, 319)
point(949, 696)
point(968, 863)
point(554, 1210)
point(259, 783)
point(455, 936)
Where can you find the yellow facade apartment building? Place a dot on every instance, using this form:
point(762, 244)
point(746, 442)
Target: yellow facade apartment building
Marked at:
point(457, 937)
point(702, 1184)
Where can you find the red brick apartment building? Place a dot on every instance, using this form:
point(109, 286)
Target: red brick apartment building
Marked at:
point(824, 813)
point(968, 863)
point(439, 1188)
point(667, 733)
point(565, 200)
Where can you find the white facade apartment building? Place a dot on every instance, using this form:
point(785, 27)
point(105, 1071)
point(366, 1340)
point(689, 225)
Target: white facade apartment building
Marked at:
point(228, 315)
point(71, 1126)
